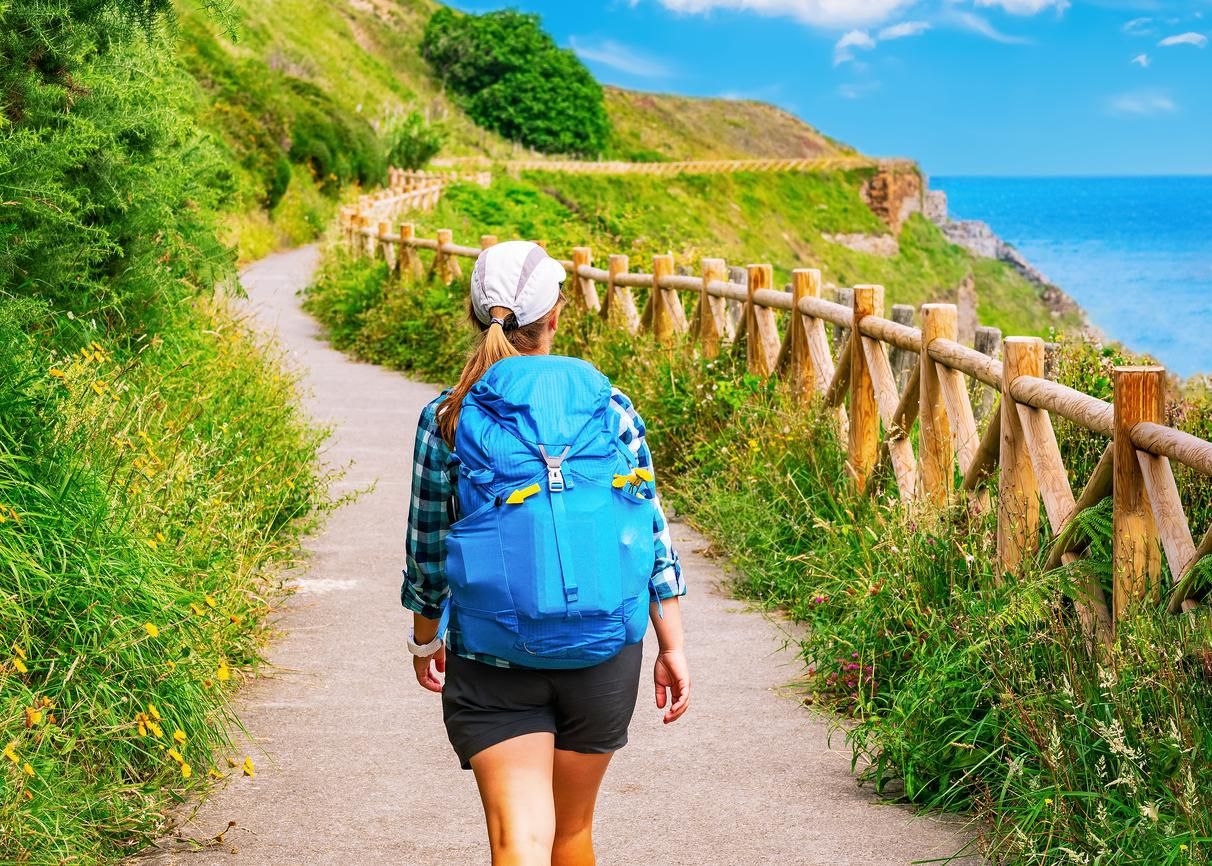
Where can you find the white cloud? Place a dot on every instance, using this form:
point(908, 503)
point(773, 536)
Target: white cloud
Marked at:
point(818, 13)
point(1026, 7)
point(857, 90)
point(1199, 40)
point(843, 51)
point(620, 57)
point(904, 29)
point(1138, 27)
point(977, 24)
point(1142, 103)
point(1141, 60)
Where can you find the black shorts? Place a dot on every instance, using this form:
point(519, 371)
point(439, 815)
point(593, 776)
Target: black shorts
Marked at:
point(588, 709)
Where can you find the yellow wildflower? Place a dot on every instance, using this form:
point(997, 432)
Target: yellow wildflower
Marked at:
point(142, 726)
point(99, 387)
point(210, 601)
point(196, 608)
point(179, 736)
point(249, 769)
point(12, 512)
point(172, 665)
point(32, 717)
point(1047, 801)
point(152, 631)
point(27, 769)
point(160, 537)
point(151, 542)
point(153, 712)
point(56, 373)
point(10, 752)
point(214, 774)
point(175, 755)
point(186, 770)
point(20, 666)
point(20, 653)
point(236, 618)
point(155, 729)
point(224, 672)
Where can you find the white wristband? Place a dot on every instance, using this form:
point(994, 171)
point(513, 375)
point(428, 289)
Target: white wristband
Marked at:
point(423, 650)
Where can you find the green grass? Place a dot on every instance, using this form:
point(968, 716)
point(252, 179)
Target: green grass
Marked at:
point(747, 217)
point(148, 495)
point(959, 695)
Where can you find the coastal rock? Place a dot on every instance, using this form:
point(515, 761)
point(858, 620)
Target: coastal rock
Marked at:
point(894, 192)
point(935, 207)
point(876, 245)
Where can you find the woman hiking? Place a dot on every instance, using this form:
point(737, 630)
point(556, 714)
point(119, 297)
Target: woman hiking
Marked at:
point(537, 552)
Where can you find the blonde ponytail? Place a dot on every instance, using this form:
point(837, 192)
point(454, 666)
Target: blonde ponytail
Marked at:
point(497, 340)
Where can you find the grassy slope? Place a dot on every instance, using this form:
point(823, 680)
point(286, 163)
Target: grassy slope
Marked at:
point(365, 56)
point(660, 125)
point(747, 217)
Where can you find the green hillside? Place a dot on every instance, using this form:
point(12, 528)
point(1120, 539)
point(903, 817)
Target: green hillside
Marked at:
point(337, 73)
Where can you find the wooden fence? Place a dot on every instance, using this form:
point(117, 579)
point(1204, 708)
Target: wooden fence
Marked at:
point(711, 166)
point(1017, 446)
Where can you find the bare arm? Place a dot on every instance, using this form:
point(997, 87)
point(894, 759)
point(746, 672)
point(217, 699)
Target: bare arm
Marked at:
point(671, 676)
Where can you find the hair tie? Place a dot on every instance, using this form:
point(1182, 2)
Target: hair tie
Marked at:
point(496, 321)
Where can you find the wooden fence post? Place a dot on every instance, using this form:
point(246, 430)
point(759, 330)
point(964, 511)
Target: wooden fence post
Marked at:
point(382, 244)
point(660, 316)
point(805, 283)
point(1140, 395)
point(711, 310)
point(487, 241)
point(409, 261)
point(584, 290)
point(902, 359)
point(761, 327)
point(620, 303)
point(1018, 497)
point(939, 321)
point(988, 341)
point(445, 266)
point(864, 436)
point(845, 297)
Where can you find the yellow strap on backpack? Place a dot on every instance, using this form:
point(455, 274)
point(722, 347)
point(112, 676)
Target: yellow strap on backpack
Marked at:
point(519, 496)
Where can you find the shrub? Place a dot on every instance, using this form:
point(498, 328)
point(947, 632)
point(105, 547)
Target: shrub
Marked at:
point(513, 79)
point(411, 141)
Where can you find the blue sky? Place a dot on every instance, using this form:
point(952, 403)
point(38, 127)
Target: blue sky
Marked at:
point(989, 87)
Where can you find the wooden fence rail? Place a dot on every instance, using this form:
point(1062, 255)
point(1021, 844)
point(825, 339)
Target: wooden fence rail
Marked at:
point(705, 166)
point(1018, 445)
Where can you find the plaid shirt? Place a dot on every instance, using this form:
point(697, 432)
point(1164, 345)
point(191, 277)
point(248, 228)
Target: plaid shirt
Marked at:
point(431, 512)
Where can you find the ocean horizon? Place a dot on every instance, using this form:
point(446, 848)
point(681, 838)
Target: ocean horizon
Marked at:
point(1134, 251)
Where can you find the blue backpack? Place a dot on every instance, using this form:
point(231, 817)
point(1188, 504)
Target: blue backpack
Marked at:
point(550, 561)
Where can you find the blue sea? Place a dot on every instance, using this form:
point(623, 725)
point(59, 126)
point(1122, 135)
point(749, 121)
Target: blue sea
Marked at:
point(1135, 252)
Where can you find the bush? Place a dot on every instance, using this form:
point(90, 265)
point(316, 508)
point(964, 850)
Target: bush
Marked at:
point(411, 141)
point(512, 79)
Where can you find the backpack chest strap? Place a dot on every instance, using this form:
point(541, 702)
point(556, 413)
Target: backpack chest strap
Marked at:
point(559, 522)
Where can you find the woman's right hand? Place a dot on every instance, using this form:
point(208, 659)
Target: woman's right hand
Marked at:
point(428, 667)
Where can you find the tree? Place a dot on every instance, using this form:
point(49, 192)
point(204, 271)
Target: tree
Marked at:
point(510, 76)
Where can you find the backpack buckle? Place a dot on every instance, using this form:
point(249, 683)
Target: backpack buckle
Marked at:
point(555, 475)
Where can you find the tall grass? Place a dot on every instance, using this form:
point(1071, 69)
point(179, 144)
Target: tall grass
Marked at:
point(958, 693)
point(147, 493)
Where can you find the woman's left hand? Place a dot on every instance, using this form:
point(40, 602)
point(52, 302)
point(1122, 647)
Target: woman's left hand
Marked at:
point(428, 668)
point(672, 679)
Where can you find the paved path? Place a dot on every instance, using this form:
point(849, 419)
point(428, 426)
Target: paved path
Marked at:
point(352, 761)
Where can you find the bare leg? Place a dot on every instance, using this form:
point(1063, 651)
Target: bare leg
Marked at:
point(515, 781)
point(575, 783)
